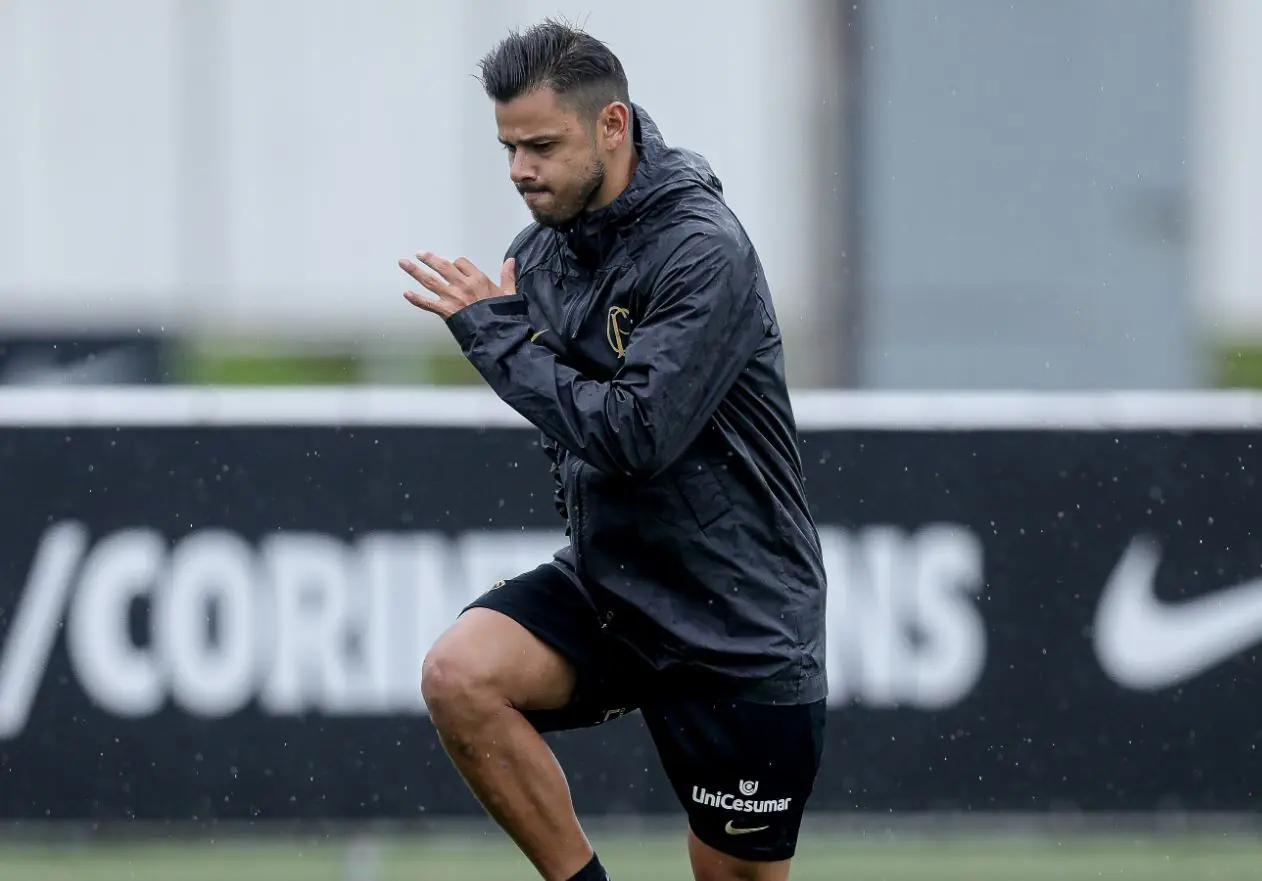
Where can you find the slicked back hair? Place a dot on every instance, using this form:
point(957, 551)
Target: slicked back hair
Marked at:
point(582, 71)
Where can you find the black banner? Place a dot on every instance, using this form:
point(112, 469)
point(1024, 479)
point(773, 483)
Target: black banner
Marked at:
point(58, 359)
point(229, 622)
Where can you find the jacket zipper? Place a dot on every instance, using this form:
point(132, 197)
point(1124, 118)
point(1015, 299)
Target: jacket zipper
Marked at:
point(576, 539)
point(567, 291)
point(574, 313)
point(603, 616)
point(581, 295)
point(566, 314)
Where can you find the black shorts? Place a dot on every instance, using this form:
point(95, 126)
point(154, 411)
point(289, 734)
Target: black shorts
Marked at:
point(742, 771)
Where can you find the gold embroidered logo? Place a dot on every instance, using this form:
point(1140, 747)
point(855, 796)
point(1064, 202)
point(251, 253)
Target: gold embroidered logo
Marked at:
point(617, 328)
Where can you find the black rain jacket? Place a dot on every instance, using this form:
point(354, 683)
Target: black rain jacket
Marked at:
point(643, 344)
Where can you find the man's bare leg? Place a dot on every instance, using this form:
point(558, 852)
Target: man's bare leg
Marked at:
point(709, 864)
point(477, 679)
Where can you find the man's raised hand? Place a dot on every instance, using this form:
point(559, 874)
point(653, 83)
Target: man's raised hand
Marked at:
point(454, 285)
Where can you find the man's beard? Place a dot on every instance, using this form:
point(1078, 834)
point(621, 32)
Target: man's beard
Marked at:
point(561, 213)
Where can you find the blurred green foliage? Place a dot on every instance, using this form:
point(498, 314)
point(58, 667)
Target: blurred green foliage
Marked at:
point(210, 367)
point(1233, 365)
point(1238, 365)
point(232, 364)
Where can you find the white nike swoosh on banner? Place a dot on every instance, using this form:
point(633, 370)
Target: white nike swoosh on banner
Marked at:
point(1145, 644)
point(103, 368)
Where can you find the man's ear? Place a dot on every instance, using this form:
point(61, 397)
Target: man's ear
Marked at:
point(614, 125)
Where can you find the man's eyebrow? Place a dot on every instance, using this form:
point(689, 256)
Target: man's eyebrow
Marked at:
point(532, 141)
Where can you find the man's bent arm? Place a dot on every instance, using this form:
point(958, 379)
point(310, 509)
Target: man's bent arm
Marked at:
point(703, 323)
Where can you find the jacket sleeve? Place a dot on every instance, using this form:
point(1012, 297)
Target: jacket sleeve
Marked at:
point(702, 324)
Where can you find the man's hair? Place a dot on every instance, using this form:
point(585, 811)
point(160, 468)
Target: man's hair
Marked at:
point(580, 69)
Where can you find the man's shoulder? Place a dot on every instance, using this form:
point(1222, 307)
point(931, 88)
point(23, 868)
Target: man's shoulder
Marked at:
point(697, 226)
point(527, 243)
point(689, 213)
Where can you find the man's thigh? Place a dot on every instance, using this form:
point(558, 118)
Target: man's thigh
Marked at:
point(556, 612)
point(743, 771)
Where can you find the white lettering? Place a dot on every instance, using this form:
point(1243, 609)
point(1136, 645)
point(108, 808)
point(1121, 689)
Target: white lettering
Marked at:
point(949, 575)
point(728, 802)
point(309, 577)
point(376, 607)
point(412, 600)
point(903, 625)
point(877, 598)
point(487, 557)
point(34, 623)
point(115, 673)
point(301, 623)
point(436, 594)
point(310, 622)
point(209, 586)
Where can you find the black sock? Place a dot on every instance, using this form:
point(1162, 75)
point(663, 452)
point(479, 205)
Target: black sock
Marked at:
point(593, 871)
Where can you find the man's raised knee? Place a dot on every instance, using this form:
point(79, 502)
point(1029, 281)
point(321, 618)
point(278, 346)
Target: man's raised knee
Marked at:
point(485, 661)
point(453, 682)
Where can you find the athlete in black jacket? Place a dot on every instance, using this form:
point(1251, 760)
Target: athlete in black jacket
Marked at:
point(634, 327)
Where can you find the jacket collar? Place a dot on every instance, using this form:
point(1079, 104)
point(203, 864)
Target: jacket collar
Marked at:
point(590, 235)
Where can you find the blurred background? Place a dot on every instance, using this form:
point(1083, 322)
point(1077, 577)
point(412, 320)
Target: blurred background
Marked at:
point(948, 197)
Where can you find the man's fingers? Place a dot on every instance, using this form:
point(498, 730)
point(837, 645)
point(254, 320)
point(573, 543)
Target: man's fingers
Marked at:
point(427, 279)
point(466, 267)
point(429, 304)
point(508, 276)
point(417, 300)
point(456, 284)
point(445, 268)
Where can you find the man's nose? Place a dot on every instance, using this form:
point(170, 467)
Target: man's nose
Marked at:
point(521, 169)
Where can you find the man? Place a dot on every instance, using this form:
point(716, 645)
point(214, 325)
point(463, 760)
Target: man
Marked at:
point(633, 326)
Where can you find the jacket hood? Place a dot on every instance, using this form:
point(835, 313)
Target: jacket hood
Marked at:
point(662, 174)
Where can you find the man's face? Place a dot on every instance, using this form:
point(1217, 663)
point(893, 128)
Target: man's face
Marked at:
point(554, 158)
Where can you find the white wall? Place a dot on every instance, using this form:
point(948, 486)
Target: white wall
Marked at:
point(88, 217)
point(1227, 198)
point(259, 166)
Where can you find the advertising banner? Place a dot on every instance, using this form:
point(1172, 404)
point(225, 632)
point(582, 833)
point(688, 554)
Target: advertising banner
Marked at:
point(228, 620)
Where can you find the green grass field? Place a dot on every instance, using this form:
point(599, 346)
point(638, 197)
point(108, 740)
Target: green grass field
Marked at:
point(649, 858)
